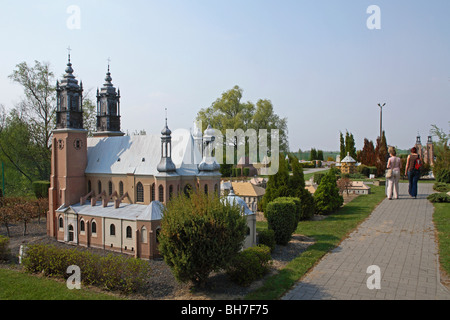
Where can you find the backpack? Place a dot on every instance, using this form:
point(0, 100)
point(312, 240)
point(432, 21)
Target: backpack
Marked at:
point(417, 164)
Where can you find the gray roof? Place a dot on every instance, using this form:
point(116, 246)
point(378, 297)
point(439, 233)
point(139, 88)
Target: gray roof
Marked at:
point(126, 211)
point(233, 199)
point(348, 158)
point(140, 155)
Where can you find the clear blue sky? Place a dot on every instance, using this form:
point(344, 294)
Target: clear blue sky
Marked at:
point(317, 61)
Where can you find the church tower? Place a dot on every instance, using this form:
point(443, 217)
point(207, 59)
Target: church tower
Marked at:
point(69, 149)
point(166, 164)
point(108, 110)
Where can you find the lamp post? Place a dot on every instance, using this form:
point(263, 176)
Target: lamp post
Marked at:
point(381, 118)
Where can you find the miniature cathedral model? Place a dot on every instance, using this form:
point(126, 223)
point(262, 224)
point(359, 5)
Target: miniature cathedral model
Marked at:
point(108, 191)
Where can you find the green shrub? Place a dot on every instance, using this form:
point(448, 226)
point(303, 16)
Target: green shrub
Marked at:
point(327, 198)
point(40, 188)
point(113, 272)
point(249, 265)
point(199, 235)
point(443, 175)
point(4, 250)
point(281, 217)
point(246, 172)
point(298, 208)
point(441, 187)
point(318, 177)
point(267, 237)
point(439, 197)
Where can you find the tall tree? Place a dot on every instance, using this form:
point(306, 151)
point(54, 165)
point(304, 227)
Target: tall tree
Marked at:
point(367, 155)
point(441, 167)
point(350, 145)
point(278, 184)
point(39, 104)
point(229, 112)
point(381, 152)
point(342, 146)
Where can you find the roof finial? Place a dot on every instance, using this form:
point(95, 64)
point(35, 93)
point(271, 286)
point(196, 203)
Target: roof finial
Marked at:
point(166, 116)
point(109, 61)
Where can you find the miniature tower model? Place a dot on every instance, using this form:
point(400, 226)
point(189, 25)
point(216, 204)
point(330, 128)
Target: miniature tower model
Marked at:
point(69, 150)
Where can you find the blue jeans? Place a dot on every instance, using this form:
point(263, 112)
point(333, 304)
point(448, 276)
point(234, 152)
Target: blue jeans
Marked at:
point(413, 177)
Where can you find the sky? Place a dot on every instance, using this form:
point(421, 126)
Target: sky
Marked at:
point(318, 62)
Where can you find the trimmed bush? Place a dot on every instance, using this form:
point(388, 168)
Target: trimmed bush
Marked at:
point(249, 265)
point(4, 250)
point(199, 235)
point(441, 187)
point(267, 237)
point(113, 272)
point(298, 208)
point(281, 217)
point(246, 172)
point(439, 197)
point(40, 188)
point(327, 198)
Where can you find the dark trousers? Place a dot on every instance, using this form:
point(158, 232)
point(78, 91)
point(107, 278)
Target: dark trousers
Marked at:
point(413, 177)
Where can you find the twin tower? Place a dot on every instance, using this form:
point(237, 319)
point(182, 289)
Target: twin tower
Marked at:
point(69, 108)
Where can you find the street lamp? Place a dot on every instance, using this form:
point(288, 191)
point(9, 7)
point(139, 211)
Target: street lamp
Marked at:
point(381, 118)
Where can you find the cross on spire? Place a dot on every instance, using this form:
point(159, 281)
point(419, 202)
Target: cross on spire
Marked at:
point(109, 61)
point(68, 52)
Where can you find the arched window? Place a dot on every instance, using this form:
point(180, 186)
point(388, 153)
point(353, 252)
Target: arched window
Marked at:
point(170, 191)
point(121, 188)
point(112, 230)
point(161, 193)
point(70, 232)
point(144, 235)
point(93, 227)
point(216, 189)
point(61, 222)
point(158, 231)
point(153, 192)
point(82, 225)
point(110, 188)
point(187, 190)
point(129, 233)
point(206, 189)
point(89, 186)
point(99, 184)
point(139, 192)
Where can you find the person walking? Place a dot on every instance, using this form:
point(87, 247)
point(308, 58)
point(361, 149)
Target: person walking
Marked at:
point(412, 173)
point(394, 164)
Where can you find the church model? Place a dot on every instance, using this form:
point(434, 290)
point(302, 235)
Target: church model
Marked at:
point(107, 191)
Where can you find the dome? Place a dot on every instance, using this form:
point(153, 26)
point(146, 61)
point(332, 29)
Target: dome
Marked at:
point(233, 199)
point(209, 132)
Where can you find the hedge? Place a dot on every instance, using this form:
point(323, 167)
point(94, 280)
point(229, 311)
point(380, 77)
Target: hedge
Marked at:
point(4, 250)
point(112, 272)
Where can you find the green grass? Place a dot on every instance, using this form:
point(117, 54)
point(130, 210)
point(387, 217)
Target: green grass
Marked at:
point(327, 233)
point(17, 285)
point(441, 218)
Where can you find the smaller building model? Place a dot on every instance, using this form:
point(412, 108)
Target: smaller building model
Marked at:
point(426, 153)
point(348, 165)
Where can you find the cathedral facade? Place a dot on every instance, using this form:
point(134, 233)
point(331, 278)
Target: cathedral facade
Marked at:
point(426, 153)
point(108, 191)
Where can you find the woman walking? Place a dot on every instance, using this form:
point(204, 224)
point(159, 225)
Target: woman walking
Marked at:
point(412, 173)
point(394, 164)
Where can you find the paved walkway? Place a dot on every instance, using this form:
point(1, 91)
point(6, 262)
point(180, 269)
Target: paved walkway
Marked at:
point(399, 238)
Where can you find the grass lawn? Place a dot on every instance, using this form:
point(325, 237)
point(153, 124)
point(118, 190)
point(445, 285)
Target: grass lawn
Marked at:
point(328, 233)
point(17, 285)
point(441, 218)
